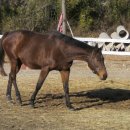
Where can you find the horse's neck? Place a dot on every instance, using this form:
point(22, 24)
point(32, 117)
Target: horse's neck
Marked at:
point(78, 53)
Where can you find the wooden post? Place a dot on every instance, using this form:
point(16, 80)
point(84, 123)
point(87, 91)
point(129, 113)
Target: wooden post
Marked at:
point(64, 16)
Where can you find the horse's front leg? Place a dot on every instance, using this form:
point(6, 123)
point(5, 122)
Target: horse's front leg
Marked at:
point(43, 74)
point(65, 80)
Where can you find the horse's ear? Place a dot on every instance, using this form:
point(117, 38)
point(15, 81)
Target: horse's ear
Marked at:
point(101, 48)
point(96, 46)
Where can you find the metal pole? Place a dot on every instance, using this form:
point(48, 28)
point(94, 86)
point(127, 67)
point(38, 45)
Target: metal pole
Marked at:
point(64, 16)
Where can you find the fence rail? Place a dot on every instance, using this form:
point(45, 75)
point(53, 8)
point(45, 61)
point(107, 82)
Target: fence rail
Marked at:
point(102, 40)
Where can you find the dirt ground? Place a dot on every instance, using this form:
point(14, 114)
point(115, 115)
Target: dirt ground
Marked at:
point(101, 105)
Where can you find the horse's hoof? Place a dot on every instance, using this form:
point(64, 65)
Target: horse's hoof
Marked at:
point(19, 102)
point(71, 108)
point(32, 104)
point(10, 102)
point(9, 98)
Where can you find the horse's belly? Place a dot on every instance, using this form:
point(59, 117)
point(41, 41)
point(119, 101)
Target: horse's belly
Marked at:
point(30, 63)
point(32, 66)
point(64, 66)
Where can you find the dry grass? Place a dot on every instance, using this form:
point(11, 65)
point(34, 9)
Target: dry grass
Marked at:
point(101, 105)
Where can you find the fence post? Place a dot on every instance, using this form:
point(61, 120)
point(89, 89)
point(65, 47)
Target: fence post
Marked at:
point(64, 16)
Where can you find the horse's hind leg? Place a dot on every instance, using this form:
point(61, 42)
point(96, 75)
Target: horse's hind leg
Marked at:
point(18, 96)
point(42, 77)
point(15, 67)
point(9, 87)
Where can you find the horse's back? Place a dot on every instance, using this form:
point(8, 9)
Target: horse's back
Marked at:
point(33, 49)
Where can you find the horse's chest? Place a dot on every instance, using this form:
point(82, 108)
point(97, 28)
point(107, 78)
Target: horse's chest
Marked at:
point(64, 66)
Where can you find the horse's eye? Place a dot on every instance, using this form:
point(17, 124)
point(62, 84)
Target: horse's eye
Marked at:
point(98, 60)
point(97, 69)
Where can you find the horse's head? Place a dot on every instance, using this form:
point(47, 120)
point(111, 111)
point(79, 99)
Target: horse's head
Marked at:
point(96, 63)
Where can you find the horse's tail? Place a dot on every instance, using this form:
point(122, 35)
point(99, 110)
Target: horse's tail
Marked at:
point(2, 56)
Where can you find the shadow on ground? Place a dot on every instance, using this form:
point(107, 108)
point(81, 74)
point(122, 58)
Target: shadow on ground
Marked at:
point(86, 99)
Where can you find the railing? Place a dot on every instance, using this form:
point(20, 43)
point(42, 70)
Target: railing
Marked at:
point(93, 41)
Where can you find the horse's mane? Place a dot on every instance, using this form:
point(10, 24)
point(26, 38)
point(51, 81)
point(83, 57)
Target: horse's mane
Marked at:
point(69, 40)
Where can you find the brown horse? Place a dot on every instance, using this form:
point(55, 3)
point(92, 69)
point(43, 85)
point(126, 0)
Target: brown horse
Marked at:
point(52, 51)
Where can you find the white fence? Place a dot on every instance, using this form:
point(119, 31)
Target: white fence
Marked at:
point(118, 43)
point(92, 41)
point(102, 40)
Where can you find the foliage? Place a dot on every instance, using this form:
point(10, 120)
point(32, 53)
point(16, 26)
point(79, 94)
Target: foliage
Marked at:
point(32, 15)
point(91, 15)
point(86, 13)
point(83, 15)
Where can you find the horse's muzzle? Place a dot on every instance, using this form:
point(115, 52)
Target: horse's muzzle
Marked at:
point(103, 75)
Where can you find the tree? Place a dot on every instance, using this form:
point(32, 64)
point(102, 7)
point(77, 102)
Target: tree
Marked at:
point(36, 15)
point(83, 15)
